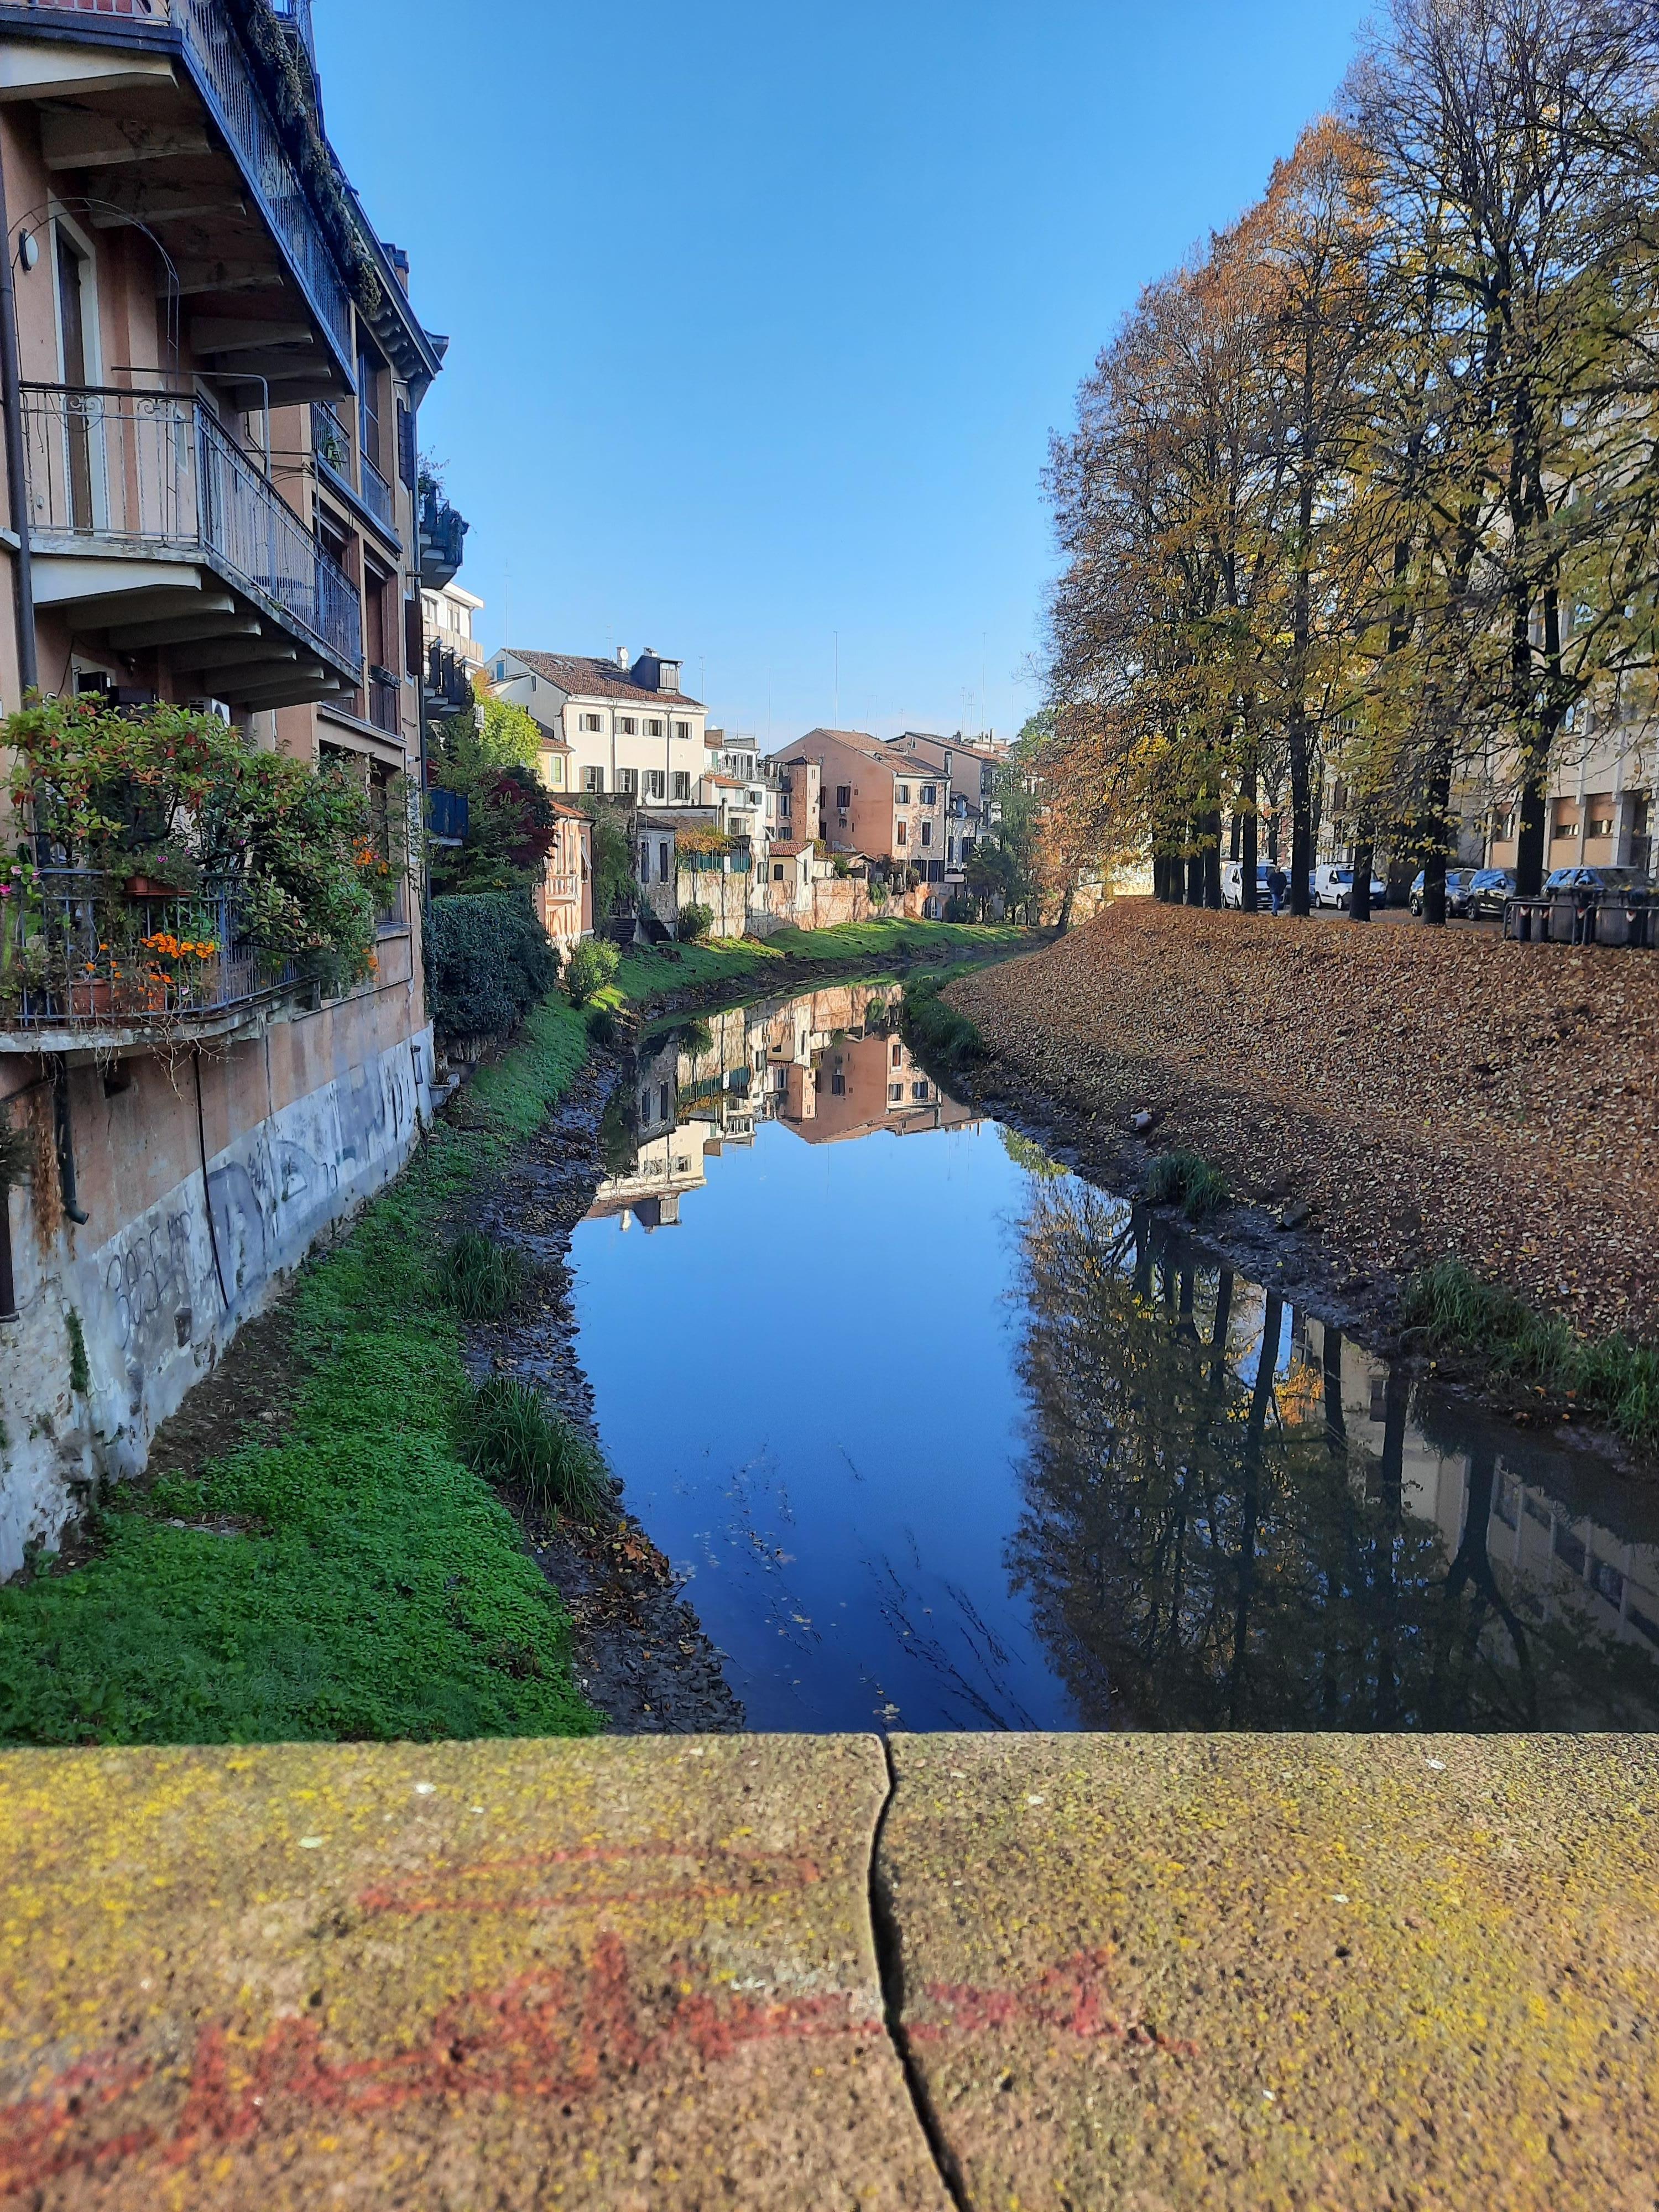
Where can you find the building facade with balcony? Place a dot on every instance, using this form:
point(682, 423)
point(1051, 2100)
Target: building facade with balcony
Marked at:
point(214, 502)
point(875, 804)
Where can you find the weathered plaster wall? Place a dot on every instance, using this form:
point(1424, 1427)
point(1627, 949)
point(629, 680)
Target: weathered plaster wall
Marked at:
point(298, 1127)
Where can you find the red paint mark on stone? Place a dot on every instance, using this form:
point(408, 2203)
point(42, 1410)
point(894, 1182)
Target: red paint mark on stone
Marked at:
point(1069, 1999)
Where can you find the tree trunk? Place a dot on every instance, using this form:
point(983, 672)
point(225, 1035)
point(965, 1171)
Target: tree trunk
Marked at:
point(1249, 843)
point(1359, 892)
point(1439, 831)
point(1301, 809)
point(1194, 875)
point(1210, 848)
point(1529, 870)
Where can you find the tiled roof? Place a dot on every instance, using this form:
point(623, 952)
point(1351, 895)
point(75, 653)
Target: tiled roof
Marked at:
point(585, 677)
point(570, 813)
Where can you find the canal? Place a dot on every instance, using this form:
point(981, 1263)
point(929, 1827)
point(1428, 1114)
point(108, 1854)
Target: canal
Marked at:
point(943, 1437)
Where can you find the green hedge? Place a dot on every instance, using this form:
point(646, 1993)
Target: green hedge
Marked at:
point(487, 961)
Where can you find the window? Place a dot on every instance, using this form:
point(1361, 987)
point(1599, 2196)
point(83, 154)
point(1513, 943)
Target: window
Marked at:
point(837, 1083)
point(662, 1102)
point(589, 721)
point(844, 796)
point(653, 783)
point(682, 789)
point(898, 1053)
point(1598, 811)
point(779, 1079)
point(645, 861)
point(918, 1089)
point(668, 676)
point(927, 833)
point(556, 771)
point(500, 671)
point(928, 794)
point(369, 369)
point(654, 729)
point(902, 794)
point(785, 802)
point(777, 872)
point(593, 779)
point(966, 849)
point(895, 1094)
point(627, 726)
point(901, 833)
point(682, 729)
point(628, 782)
point(663, 861)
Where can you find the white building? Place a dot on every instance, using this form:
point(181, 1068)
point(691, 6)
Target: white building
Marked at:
point(632, 732)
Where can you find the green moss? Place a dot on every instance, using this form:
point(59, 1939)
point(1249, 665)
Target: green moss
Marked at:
point(80, 1373)
point(357, 1579)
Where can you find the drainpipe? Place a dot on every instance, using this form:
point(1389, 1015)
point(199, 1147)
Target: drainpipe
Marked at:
point(65, 1135)
point(11, 396)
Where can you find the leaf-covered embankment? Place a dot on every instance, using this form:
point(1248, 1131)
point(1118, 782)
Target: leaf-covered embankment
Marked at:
point(1425, 1093)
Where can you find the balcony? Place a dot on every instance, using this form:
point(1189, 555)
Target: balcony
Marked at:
point(379, 497)
point(153, 477)
point(443, 540)
point(223, 76)
point(386, 702)
point(447, 814)
point(97, 968)
point(565, 890)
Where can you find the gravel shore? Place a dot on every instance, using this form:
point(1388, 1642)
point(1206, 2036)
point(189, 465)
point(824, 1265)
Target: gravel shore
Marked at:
point(1421, 1092)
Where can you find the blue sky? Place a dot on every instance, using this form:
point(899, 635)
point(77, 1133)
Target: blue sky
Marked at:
point(760, 317)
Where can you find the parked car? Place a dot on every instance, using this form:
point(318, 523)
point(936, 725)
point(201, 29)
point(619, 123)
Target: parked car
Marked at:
point(1459, 883)
point(1490, 891)
point(1334, 886)
point(1232, 885)
point(1607, 883)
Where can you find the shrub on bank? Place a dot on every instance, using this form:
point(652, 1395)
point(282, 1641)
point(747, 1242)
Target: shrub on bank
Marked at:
point(513, 1438)
point(694, 923)
point(487, 961)
point(1187, 1179)
point(591, 968)
point(935, 1027)
point(483, 1281)
point(1611, 1379)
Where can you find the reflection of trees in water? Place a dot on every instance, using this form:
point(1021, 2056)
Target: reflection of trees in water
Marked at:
point(1204, 1546)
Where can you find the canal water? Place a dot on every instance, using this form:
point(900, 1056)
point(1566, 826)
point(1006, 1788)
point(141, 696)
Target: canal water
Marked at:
point(944, 1437)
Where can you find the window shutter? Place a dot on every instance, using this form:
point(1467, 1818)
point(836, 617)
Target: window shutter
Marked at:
point(406, 444)
point(414, 638)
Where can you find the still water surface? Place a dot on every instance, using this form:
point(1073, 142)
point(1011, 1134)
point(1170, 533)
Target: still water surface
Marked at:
point(945, 1438)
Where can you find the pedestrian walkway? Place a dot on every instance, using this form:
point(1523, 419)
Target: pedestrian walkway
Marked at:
point(775, 1971)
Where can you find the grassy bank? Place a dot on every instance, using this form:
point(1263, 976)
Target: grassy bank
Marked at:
point(645, 974)
point(356, 1579)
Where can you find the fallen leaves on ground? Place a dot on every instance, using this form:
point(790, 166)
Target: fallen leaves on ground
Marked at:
point(1424, 1091)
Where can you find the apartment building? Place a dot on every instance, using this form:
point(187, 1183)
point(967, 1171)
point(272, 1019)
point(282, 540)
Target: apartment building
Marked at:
point(970, 772)
point(878, 804)
point(215, 500)
point(632, 732)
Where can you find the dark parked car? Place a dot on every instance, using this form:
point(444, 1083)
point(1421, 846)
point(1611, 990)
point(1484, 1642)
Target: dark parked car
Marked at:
point(1490, 890)
point(1604, 882)
point(1459, 885)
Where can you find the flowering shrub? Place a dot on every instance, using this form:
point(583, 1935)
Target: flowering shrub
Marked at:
point(186, 802)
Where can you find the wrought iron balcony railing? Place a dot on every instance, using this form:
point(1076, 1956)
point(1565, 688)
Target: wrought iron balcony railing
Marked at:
point(81, 953)
point(225, 80)
point(379, 497)
point(150, 470)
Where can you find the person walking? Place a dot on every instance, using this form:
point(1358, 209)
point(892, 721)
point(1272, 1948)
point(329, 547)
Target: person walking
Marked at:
point(1278, 883)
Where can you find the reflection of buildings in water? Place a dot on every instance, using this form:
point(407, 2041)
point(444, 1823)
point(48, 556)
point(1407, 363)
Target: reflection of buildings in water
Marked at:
point(1548, 1560)
point(826, 1064)
point(1219, 1535)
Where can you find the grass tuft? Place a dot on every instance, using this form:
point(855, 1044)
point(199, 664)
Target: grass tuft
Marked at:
point(512, 1438)
point(935, 1027)
point(482, 1280)
point(1187, 1179)
point(1611, 1379)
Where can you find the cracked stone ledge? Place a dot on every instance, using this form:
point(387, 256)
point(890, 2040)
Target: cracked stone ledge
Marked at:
point(744, 1971)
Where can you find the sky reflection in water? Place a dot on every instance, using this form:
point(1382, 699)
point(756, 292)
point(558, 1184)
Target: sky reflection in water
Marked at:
point(946, 1439)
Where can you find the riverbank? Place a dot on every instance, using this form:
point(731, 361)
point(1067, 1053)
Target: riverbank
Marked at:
point(1395, 1096)
point(311, 1554)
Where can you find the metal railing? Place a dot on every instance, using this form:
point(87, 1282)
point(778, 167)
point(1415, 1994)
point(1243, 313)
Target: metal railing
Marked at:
point(155, 468)
point(379, 497)
point(81, 952)
point(330, 441)
point(226, 79)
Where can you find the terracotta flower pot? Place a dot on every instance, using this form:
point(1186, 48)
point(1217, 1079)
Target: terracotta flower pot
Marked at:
point(93, 996)
point(147, 887)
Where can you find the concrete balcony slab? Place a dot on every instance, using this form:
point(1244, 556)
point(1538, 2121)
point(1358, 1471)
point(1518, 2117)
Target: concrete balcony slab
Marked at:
point(620, 1974)
point(1199, 1972)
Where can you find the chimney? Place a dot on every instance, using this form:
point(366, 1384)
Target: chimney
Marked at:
point(621, 656)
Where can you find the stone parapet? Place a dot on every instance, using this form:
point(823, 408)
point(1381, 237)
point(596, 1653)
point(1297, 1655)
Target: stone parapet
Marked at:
point(992, 1971)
